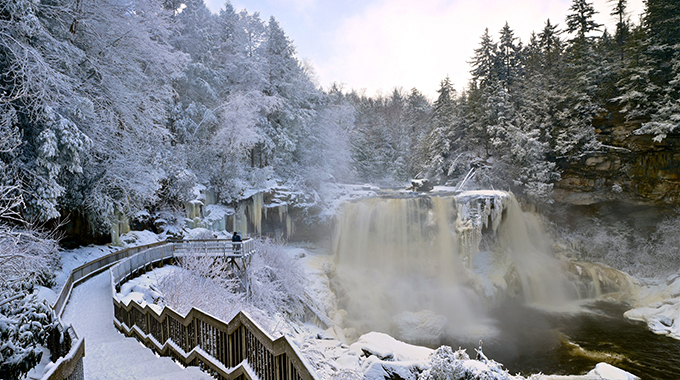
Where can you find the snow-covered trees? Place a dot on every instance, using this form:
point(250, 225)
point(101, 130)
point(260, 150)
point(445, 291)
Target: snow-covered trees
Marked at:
point(27, 258)
point(247, 111)
point(116, 105)
point(386, 134)
point(92, 86)
point(442, 146)
point(661, 68)
point(25, 325)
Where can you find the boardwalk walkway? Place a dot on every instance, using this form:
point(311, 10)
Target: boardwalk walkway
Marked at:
point(108, 353)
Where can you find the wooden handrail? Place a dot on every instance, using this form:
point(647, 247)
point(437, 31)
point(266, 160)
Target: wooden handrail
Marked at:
point(198, 338)
point(70, 366)
point(91, 268)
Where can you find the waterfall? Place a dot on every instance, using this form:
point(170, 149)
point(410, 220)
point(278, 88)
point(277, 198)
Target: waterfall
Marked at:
point(419, 267)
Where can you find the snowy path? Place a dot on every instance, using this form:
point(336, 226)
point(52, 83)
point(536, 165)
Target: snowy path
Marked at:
point(108, 353)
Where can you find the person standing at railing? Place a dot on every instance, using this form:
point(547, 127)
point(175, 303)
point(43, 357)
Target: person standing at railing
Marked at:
point(236, 240)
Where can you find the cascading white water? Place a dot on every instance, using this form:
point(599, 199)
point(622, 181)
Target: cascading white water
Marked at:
point(426, 266)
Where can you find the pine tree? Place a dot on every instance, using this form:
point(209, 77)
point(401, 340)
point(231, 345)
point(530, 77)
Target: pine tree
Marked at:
point(551, 46)
point(444, 132)
point(661, 23)
point(582, 77)
point(581, 20)
point(508, 57)
point(484, 63)
point(622, 25)
point(417, 115)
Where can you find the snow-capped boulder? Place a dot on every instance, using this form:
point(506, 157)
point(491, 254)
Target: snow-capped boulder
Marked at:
point(609, 372)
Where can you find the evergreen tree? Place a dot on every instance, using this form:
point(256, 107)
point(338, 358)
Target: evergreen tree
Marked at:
point(509, 57)
point(661, 22)
point(445, 132)
point(622, 25)
point(582, 77)
point(636, 91)
point(581, 22)
point(551, 46)
point(484, 63)
point(417, 115)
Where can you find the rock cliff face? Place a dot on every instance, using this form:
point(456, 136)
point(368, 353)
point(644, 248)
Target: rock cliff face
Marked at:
point(631, 168)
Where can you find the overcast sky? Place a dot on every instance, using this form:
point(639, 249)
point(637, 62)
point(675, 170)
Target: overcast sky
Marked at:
point(376, 45)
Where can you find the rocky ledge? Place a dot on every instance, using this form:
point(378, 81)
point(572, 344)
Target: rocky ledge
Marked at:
point(629, 167)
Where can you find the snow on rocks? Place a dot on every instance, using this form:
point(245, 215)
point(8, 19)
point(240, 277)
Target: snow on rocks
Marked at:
point(421, 185)
point(135, 238)
point(375, 356)
point(216, 216)
point(337, 194)
point(387, 348)
point(609, 372)
point(658, 305)
point(482, 206)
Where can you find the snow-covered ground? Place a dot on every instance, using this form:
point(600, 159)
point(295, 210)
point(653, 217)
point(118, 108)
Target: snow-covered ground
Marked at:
point(658, 305)
point(108, 353)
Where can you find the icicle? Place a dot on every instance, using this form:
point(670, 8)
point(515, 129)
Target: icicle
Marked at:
point(290, 227)
point(256, 211)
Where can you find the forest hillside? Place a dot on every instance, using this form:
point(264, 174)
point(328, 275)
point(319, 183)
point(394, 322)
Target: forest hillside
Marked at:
point(110, 109)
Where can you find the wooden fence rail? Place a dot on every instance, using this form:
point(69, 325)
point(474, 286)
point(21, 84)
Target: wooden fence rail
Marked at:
point(238, 349)
point(65, 344)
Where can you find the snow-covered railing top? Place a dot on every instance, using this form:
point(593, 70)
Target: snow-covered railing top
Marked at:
point(70, 365)
point(226, 350)
point(83, 272)
point(215, 247)
point(91, 268)
point(72, 360)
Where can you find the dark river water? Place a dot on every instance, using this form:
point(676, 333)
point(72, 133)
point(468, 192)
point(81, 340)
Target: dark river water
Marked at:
point(533, 341)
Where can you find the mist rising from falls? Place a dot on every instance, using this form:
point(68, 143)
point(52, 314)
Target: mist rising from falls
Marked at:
point(422, 267)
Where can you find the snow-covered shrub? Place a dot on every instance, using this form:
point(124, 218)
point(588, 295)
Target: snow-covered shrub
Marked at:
point(276, 286)
point(176, 188)
point(26, 255)
point(204, 283)
point(276, 280)
point(25, 324)
point(204, 235)
point(446, 364)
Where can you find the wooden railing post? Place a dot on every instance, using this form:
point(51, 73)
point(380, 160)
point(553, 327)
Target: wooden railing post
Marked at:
point(244, 348)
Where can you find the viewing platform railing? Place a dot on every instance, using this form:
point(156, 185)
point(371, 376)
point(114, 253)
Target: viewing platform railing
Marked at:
point(67, 346)
point(238, 349)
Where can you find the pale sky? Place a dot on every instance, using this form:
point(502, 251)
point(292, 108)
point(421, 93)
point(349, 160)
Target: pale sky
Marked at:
point(377, 45)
